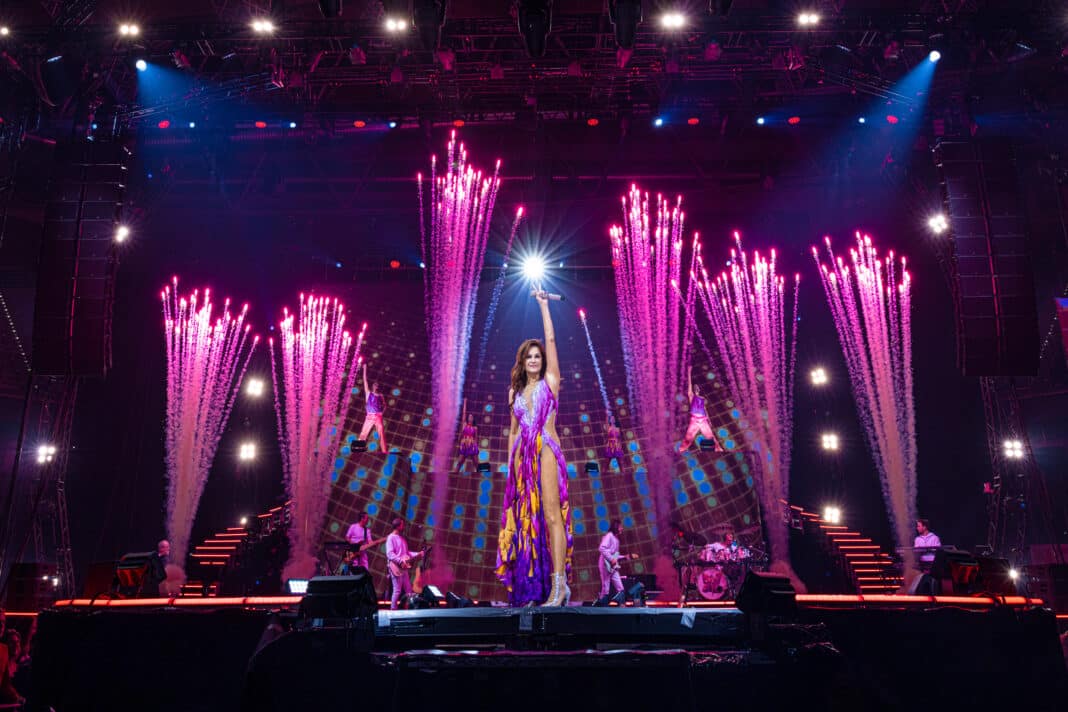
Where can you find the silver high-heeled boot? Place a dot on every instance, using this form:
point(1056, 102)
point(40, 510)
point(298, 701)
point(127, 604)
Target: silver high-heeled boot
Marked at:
point(560, 595)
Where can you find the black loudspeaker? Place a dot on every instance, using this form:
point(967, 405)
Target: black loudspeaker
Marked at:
point(76, 274)
point(768, 594)
point(957, 570)
point(483, 467)
point(1050, 583)
point(340, 597)
point(454, 600)
point(997, 320)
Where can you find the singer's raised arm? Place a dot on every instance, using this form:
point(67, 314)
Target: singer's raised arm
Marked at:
point(552, 363)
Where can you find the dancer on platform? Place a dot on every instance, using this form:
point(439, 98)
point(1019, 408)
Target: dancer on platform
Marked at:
point(376, 406)
point(613, 447)
point(698, 418)
point(468, 439)
point(534, 546)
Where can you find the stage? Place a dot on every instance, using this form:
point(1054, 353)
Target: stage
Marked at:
point(834, 652)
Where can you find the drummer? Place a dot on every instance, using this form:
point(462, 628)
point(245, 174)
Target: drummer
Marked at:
point(725, 550)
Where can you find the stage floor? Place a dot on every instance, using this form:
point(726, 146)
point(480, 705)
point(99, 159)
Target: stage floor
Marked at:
point(834, 652)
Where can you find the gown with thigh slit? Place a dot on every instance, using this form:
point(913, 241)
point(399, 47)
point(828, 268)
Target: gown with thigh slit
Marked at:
point(524, 558)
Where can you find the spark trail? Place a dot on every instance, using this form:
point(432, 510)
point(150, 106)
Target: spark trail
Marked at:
point(453, 243)
point(596, 364)
point(206, 359)
point(746, 306)
point(495, 298)
point(319, 363)
point(647, 258)
point(871, 302)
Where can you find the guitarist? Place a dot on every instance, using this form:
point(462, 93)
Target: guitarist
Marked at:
point(359, 534)
point(608, 562)
point(400, 562)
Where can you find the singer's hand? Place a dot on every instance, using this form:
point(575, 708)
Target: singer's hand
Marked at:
point(541, 296)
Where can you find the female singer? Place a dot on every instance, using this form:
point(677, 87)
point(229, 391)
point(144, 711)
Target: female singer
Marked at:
point(468, 439)
point(535, 544)
point(698, 418)
point(613, 448)
point(376, 405)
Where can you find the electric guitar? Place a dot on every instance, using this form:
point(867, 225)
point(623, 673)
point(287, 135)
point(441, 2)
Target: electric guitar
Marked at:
point(367, 545)
point(619, 560)
point(398, 569)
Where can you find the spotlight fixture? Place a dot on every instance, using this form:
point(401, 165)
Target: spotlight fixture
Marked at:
point(127, 29)
point(243, 521)
point(658, 121)
point(592, 121)
point(1014, 574)
point(1014, 449)
point(862, 120)
point(938, 223)
point(693, 121)
point(832, 515)
point(934, 56)
point(761, 121)
point(292, 124)
point(141, 65)
point(247, 451)
point(672, 21)
point(428, 16)
point(121, 233)
point(818, 376)
point(794, 120)
point(534, 19)
point(254, 387)
point(45, 454)
point(192, 124)
point(392, 124)
point(395, 16)
point(625, 16)
point(396, 25)
point(533, 268)
point(262, 26)
point(808, 19)
point(359, 123)
point(4, 30)
point(829, 442)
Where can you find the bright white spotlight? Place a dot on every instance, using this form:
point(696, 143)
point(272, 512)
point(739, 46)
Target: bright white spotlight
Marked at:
point(934, 56)
point(534, 268)
point(192, 124)
point(829, 442)
point(396, 24)
point(672, 21)
point(1014, 574)
point(1014, 449)
point(121, 233)
point(862, 120)
point(938, 223)
point(247, 452)
point(808, 19)
point(254, 387)
point(832, 515)
point(129, 30)
point(761, 120)
point(818, 376)
point(5, 31)
point(45, 454)
point(263, 27)
point(244, 521)
point(141, 65)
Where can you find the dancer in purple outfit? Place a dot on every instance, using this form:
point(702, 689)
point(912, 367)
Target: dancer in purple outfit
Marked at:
point(376, 405)
point(698, 418)
point(613, 447)
point(534, 547)
point(468, 439)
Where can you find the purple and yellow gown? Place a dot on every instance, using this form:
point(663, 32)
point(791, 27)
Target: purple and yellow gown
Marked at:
point(524, 558)
point(468, 444)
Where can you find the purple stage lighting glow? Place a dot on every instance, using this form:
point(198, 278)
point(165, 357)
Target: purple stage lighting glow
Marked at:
point(206, 360)
point(453, 245)
point(757, 339)
point(319, 365)
point(871, 301)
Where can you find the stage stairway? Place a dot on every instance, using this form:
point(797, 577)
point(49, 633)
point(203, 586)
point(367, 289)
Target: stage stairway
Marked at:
point(218, 556)
point(870, 569)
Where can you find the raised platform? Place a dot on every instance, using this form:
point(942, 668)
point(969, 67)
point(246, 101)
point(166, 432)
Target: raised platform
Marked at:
point(837, 652)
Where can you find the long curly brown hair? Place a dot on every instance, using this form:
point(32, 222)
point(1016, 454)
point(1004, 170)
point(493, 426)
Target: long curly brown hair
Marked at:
point(519, 371)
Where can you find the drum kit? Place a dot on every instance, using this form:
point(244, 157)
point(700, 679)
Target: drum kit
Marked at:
point(715, 570)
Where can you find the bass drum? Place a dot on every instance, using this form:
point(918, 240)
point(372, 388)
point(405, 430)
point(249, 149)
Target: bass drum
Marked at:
point(712, 584)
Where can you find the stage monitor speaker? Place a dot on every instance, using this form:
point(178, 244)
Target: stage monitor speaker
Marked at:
point(78, 262)
point(707, 445)
point(454, 600)
point(592, 468)
point(483, 467)
point(957, 570)
point(340, 597)
point(767, 593)
point(997, 318)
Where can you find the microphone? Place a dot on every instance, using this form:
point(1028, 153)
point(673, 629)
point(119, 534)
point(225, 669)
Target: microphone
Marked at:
point(550, 297)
